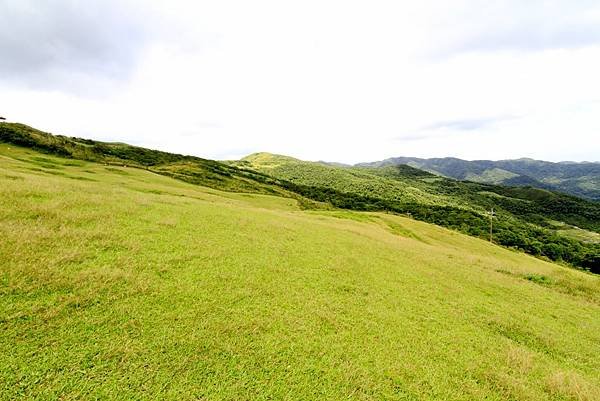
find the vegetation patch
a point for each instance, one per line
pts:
(343, 214)
(12, 177)
(81, 178)
(398, 229)
(539, 279)
(524, 337)
(572, 386)
(116, 170)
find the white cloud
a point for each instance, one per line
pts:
(345, 81)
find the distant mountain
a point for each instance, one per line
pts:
(579, 179)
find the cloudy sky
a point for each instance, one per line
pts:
(345, 81)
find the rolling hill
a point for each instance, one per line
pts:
(119, 282)
(537, 221)
(542, 223)
(579, 179)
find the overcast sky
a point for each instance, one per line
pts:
(345, 81)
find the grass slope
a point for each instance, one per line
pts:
(525, 217)
(118, 283)
(187, 168)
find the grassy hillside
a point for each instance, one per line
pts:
(119, 283)
(525, 217)
(187, 168)
(539, 222)
(579, 179)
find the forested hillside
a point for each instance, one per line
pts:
(580, 179)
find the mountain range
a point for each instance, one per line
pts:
(576, 178)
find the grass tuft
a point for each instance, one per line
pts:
(539, 279)
(571, 386)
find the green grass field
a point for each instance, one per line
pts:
(117, 283)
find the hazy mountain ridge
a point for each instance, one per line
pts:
(577, 178)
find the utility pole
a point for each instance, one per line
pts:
(491, 223)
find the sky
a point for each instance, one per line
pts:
(345, 81)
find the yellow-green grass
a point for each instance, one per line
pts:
(581, 235)
(116, 283)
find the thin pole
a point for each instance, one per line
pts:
(491, 224)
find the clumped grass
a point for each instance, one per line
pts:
(539, 279)
(395, 227)
(138, 286)
(560, 281)
(571, 386)
(520, 359)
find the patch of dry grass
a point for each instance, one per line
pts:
(572, 386)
